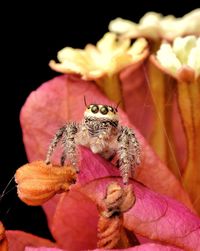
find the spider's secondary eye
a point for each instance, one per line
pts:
(111, 109)
(104, 110)
(95, 109)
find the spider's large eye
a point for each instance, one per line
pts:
(104, 110)
(94, 109)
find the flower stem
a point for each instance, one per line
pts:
(111, 87)
(189, 105)
(162, 94)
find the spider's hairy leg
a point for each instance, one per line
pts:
(129, 153)
(54, 143)
(69, 145)
(63, 157)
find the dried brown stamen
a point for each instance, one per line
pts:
(111, 233)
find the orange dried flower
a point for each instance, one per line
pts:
(38, 182)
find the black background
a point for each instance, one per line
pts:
(31, 35)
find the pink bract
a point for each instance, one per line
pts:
(154, 216)
(62, 99)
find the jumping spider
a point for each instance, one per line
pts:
(101, 132)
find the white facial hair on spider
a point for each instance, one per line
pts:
(101, 132)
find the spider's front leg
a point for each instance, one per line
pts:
(67, 135)
(54, 143)
(69, 145)
(129, 153)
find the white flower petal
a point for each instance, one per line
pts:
(194, 58)
(120, 25)
(183, 46)
(167, 58)
(156, 26)
(109, 56)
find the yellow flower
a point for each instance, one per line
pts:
(181, 60)
(109, 56)
(155, 26)
(182, 55)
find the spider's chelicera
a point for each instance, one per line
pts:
(101, 132)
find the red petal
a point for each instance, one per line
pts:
(18, 240)
(75, 222)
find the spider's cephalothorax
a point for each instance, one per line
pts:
(100, 131)
(99, 119)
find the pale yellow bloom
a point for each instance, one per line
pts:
(109, 56)
(155, 26)
(184, 52)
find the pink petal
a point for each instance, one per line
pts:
(154, 216)
(99, 168)
(75, 222)
(145, 247)
(18, 240)
(60, 100)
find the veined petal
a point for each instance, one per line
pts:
(155, 216)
